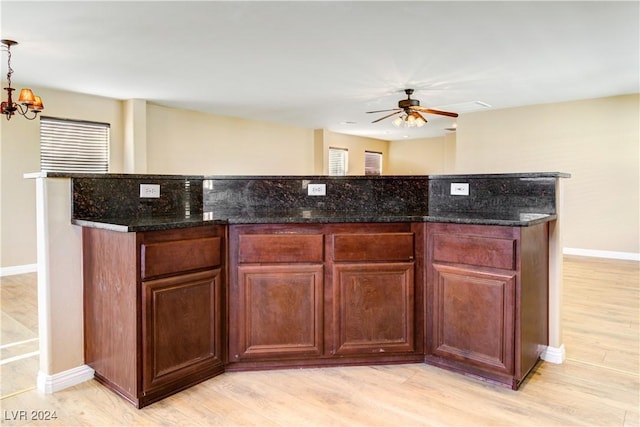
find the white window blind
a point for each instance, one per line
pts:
(372, 163)
(73, 146)
(338, 161)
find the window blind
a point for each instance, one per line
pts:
(372, 163)
(338, 161)
(73, 146)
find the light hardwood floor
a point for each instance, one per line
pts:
(598, 385)
(19, 356)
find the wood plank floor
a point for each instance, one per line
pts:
(598, 385)
(19, 355)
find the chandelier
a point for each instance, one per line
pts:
(28, 105)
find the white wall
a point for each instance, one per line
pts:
(187, 142)
(424, 156)
(596, 140)
(20, 154)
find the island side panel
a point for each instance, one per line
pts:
(110, 315)
(533, 308)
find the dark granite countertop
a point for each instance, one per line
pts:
(44, 174)
(240, 177)
(151, 223)
(293, 216)
(513, 219)
(523, 175)
(309, 216)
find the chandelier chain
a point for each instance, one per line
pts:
(9, 69)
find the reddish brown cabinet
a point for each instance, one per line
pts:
(181, 327)
(276, 304)
(311, 294)
(487, 299)
(163, 311)
(153, 309)
(373, 292)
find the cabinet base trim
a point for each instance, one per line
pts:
(555, 355)
(321, 363)
(630, 256)
(65, 379)
(18, 269)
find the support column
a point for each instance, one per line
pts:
(60, 315)
(555, 352)
(135, 136)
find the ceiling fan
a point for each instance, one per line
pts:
(411, 109)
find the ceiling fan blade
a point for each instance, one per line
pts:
(388, 115)
(421, 116)
(431, 111)
(382, 111)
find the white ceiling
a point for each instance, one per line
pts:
(321, 64)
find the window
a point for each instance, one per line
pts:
(73, 146)
(338, 161)
(372, 163)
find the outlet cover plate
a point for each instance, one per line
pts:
(150, 191)
(317, 189)
(459, 189)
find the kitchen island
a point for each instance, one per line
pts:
(379, 270)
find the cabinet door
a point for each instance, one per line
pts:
(181, 328)
(373, 308)
(280, 312)
(473, 318)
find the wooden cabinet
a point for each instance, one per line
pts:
(181, 327)
(309, 294)
(153, 309)
(373, 292)
(283, 311)
(276, 293)
(487, 299)
(163, 312)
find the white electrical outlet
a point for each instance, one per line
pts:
(150, 191)
(459, 189)
(317, 189)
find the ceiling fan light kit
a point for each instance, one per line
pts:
(411, 110)
(28, 105)
(410, 120)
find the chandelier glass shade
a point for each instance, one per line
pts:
(28, 105)
(409, 120)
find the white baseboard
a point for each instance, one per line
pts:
(18, 269)
(555, 355)
(56, 382)
(630, 256)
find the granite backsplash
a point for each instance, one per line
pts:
(119, 197)
(494, 194)
(375, 195)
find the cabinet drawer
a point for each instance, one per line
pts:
(175, 256)
(373, 247)
(475, 250)
(255, 248)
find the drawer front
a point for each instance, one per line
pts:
(175, 256)
(373, 247)
(475, 250)
(255, 248)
